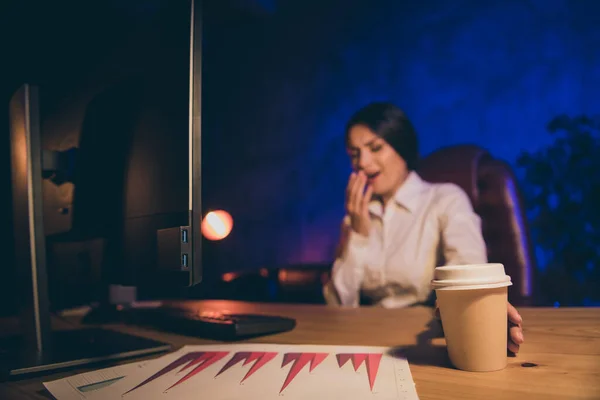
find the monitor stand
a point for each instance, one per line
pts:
(39, 348)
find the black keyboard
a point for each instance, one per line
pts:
(209, 324)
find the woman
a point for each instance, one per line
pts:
(398, 228)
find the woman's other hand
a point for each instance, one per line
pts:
(357, 203)
(515, 330)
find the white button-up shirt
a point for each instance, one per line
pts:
(425, 225)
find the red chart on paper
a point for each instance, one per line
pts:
(196, 362)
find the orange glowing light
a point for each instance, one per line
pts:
(216, 225)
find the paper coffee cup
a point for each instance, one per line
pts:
(473, 308)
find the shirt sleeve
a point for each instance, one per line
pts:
(349, 265)
(462, 238)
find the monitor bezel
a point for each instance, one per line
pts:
(195, 146)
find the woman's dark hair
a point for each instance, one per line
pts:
(391, 124)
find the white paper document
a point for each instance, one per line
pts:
(250, 371)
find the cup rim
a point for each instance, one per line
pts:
(489, 282)
(473, 286)
(464, 266)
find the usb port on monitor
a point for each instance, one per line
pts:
(184, 235)
(184, 260)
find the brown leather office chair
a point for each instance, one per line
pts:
(494, 193)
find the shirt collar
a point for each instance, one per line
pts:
(407, 195)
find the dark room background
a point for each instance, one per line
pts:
(281, 78)
(492, 73)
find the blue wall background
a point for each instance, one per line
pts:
(279, 87)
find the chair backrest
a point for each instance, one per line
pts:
(491, 185)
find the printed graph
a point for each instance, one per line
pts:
(250, 371)
(196, 362)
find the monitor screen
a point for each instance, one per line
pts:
(121, 152)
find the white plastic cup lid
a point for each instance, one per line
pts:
(472, 276)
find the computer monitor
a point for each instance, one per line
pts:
(39, 349)
(133, 167)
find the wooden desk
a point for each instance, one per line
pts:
(559, 360)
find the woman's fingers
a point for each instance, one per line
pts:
(515, 330)
(516, 334)
(366, 199)
(513, 347)
(354, 200)
(350, 193)
(359, 189)
(513, 315)
(357, 199)
(349, 187)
